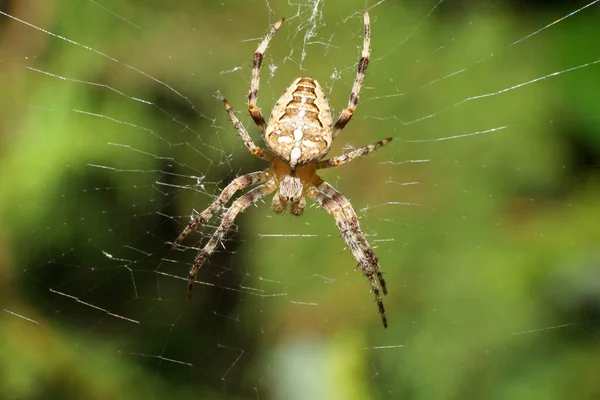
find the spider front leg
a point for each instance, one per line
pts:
(347, 222)
(347, 113)
(248, 142)
(255, 112)
(237, 207)
(352, 155)
(239, 183)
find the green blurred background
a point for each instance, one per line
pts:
(483, 210)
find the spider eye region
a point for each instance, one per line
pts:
(299, 130)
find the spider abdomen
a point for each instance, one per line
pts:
(299, 130)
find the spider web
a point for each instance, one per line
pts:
(481, 210)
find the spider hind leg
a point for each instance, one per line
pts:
(238, 206)
(346, 219)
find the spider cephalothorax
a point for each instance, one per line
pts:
(298, 135)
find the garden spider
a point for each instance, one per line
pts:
(298, 135)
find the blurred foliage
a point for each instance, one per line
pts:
(491, 258)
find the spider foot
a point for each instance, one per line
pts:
(192, 226)
(190, 287)
(381, 309)
(198, 262)
(183, 235)
(384, 321)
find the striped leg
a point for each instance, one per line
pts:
(351, 216)
(248, 142)
(237, 207)
(352, 155)
(255, 82)
(239, 183)
(347, 222)
(347, 113)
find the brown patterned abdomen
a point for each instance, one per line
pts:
(299, 130)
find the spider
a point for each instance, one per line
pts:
(298, 135)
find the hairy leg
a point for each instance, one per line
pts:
(239, 183)
(347, 113)
(255, 112)
(347, 222)
(350, 214)
(352, 155)
(237, 207)
(248, 142)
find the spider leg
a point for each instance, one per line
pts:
(248, 142)
(347, 113)
(255, 112)
(347, 222)
(351, 155)
(238, 206)
(239, 183)
(345, 205)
